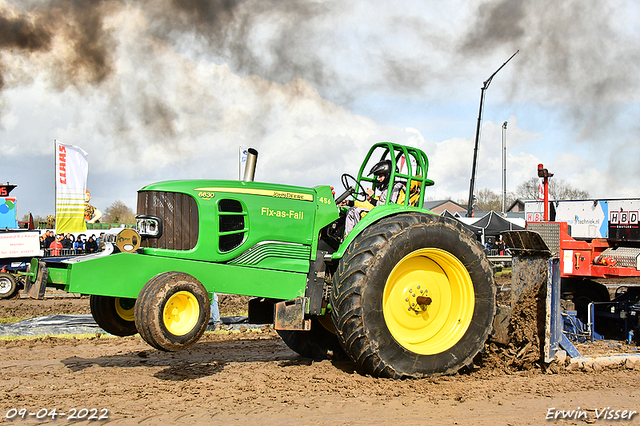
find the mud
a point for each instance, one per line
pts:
(251, 376)
(61, 303)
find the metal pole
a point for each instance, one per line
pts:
(485, 86)
(55, 182)
(546, 198)
(475, 153)
(504, 168)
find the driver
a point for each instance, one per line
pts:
(358, 209)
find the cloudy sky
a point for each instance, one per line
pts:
(169, 89)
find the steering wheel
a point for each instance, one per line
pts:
(357, 192)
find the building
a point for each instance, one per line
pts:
(441, 205)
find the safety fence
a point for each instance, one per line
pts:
(53, 252)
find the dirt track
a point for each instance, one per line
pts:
(233, 378)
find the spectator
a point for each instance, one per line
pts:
(48, 239)
(91, 246)
(67, 242)
(215, 312)
(56, 245)
(78, 246)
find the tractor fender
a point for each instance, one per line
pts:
(373, 216)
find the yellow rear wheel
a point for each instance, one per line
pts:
(428, 301)
(413, 296)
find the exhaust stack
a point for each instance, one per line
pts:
(250, 167)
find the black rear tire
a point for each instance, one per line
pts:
(8, 285)
(115, 315)
(376, 283)
(317, 343)
(172, 311)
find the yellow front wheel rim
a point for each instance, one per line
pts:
(442, 285)
(125, 308)
(181, 313)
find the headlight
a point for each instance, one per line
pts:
(149, 226)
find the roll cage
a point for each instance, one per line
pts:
(408, 165)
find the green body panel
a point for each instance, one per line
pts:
(281, 230)
(58, 276)
(326, 213)
(124, 275)
(272, 213)
(273, 255)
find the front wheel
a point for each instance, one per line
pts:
(172, 311)
(114, 314)
(414, 296)
(8, 285)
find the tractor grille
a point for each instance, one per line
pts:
(231, 224)
(179, 215)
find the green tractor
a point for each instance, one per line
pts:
(406, 294)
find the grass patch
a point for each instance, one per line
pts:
(505, 271)
(11, 320)
(58, 336)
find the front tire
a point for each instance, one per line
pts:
(115, 315)
(172, 311)
(8, 285)
(414, 296)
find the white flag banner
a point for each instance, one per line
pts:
(242, 154)
(541, 191)
(403, 166)
(72, 168)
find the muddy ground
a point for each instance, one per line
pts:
(252, 377)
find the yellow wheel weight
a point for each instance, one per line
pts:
(125, 308)
(181, 313)
(428, 301)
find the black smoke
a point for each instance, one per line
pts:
(78, 24)
(574, 56)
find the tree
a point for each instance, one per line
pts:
(487, 200)
(558, 188)
(36, 221)
(118, 212)
(36, 218)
